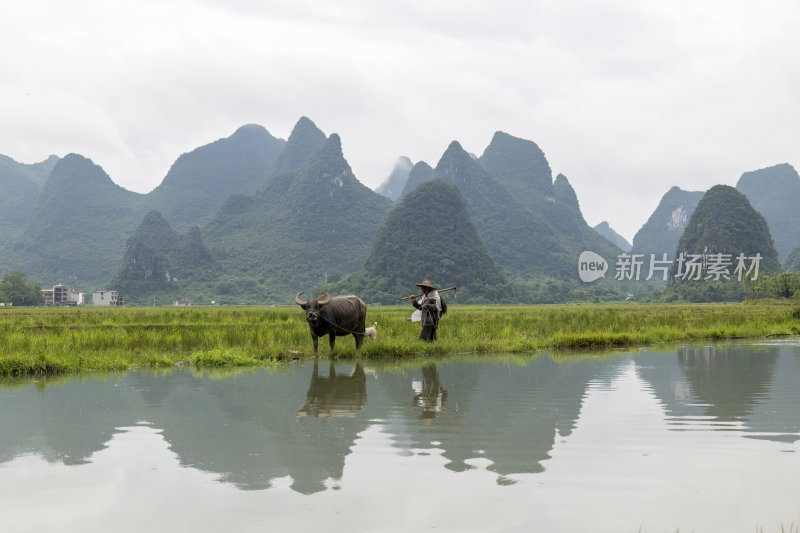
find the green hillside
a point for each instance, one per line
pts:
(522, 169)
(428, 235)
(775, 193)
(716, 255)
(306, 138)
(161, 262)
(78, 227)
(20, 185)
(531, 236)
(725, 222)
(662, 231)
(316, 223)
(518, 240)
(792, 261)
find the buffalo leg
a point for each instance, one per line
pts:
(333, 339)
(359, 340)
(316, 342)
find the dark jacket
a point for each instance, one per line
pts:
(430, 312)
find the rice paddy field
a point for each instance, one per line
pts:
(36, 341)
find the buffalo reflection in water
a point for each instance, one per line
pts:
(335, 395)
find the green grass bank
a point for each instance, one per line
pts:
(58, 340)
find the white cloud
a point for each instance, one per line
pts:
(626, 98)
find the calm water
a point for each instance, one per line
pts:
(701, 438)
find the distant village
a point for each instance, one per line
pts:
(64, 295)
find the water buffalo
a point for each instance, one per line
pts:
(334, 316)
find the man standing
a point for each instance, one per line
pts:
(431, 307)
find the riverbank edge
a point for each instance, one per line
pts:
(49, 341)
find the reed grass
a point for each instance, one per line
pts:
(37, 341)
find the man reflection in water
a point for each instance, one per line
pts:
(431, 307)
(430, 395)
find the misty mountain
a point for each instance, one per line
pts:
(520, 165)
(20, 185)
(82, 219)
(199, 181)
(392, 187)
(254, 219)
(775, 193)
(37, 173)
(662, 231)
(530, 233)
(792, 261)
(428, 235)
(615, 238)
(724, 221)
(160, 261)
(520, 241)
(419, 174)
(306, 138)
(316, 223)
(565, 216)
(78, 227)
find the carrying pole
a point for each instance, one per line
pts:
(420, 294)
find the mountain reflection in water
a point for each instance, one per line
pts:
(254, 427)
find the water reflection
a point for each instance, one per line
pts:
(335, 395)
(506, 414)
(65, 422)
(254, 429)
(729, 387)
(429, 394)
(248, 430)
(728, 381)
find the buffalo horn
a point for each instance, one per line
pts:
(299, 301)
(322, 299)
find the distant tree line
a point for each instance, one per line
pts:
(15, 289)
(785, 285)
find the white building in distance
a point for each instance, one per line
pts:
(107, 298)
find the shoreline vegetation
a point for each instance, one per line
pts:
(48, 341)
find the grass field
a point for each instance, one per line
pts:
(57, 340)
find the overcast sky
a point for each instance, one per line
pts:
(626, 98)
